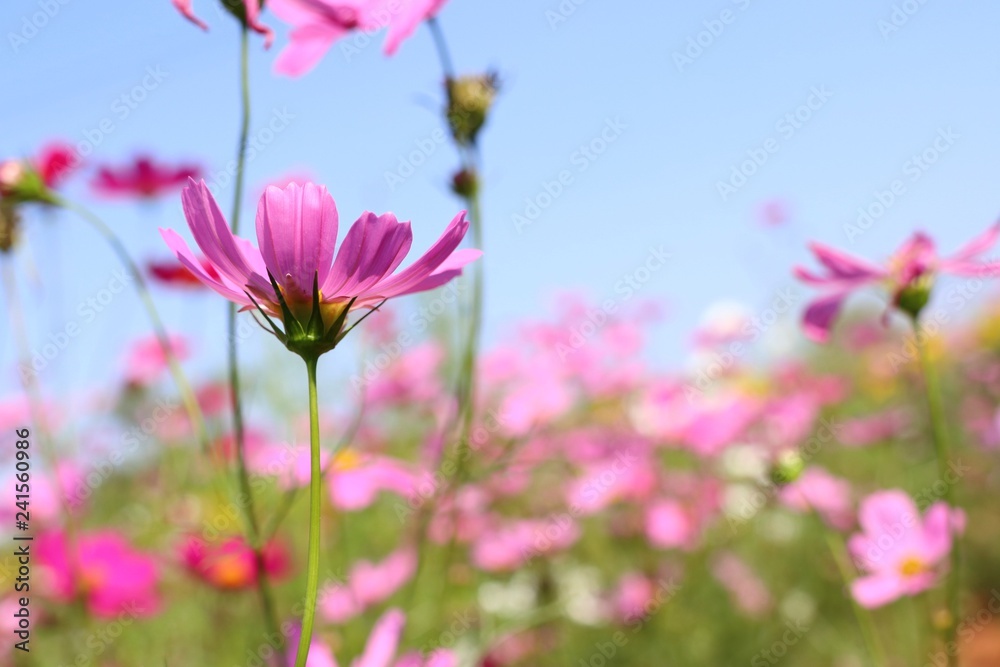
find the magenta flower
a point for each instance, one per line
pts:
(317, 24)
(251, 12)
(901, 554)
(146, 360)
(294, 277)
(102, 569)
(907, 275)
(143, 177)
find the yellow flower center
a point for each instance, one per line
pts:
(232, 571)
(346, 459)
(912, 566)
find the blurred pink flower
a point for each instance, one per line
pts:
(355, 481)
(143, 177)
(902, 554)
(175, 274)
(367, 584)
(631, 596)
(55, 162)
(146, 360)
(670, 526)
(913, 265)
(103, 569)
(252, 8)
(297, 232)
(513, 545)
(317, 24)
(231, 564)
(773, 213)
(817, 489)
(747, 590)
(875, 428)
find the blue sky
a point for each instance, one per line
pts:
(687, 91)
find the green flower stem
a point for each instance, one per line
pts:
(315, 505)
(236, 399)
(183, 386)
(864, 617)
(942, 450)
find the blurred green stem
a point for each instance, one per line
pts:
(315, 504)
(942, 450)
(183, 386)
(864, 617)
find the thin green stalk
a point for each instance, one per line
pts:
(183, 386)
(864, 617)
(315, 504)
(236, 400)
(942, 451)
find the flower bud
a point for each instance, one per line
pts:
(20, 182)
(787, 468)
(469, 102)
(912, 298)
(465, 183)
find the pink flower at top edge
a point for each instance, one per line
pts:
(252, 8)
(902, 553)
(318, 24)
(914, 265)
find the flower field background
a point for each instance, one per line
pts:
(809, 481)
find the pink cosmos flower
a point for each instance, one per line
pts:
(511, 546)
(231, 563)
(142, 178)
(381, 648)
(54, 162)
(817, 489)
(252, 8)
(670, 526)
(367, 584)
(103, 569)
(297, 232)
(902, 554)
(914, 265)
(146, 360)
(746, 589)
(317, 24)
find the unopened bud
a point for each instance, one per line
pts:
(787, 468)
(469, 102)
(912, 298)
(465, 183)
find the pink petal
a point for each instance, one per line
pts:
(308, 45)
(844, 266)
(374, 247)
(383, 640)
(297, 233)
(184, 7)
(877, 590)
(820, 315)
